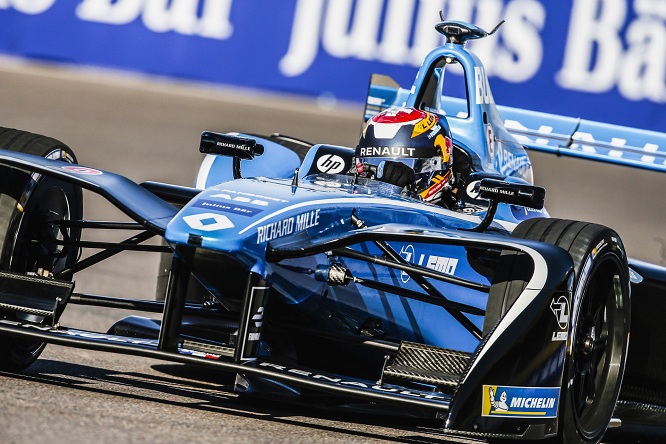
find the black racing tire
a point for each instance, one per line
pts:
(598, 323)
(29, 206)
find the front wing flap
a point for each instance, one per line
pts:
(135, 201)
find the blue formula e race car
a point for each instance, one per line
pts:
(313, 283)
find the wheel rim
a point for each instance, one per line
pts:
(35, 245)
(598, 348)
(38, 222)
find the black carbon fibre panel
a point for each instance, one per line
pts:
(642, 395)
(33, 294)
(427, 364)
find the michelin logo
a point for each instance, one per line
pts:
(520, 402)
(498, 405)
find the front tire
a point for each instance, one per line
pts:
(598, 324)
(30, 207)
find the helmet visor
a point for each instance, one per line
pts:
(420, 166)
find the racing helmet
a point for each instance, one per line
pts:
(418, 139)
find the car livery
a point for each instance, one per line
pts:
(303, 279)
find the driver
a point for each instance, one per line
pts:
(411, 149)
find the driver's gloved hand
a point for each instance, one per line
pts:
(395, 173)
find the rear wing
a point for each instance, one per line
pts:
(568, 136)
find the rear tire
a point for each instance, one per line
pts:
(598, 322)
(30, 205)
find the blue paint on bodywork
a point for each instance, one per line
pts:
(247, 214)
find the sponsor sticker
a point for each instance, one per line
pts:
(520, 402)
(241, 199)
(330, 164)
(287, 226)
(471, 192)
(490, 140)
(442, 264)
(522, 213)
(386, 151)
(560, 308)
(407, 253)
(600, 246)
(424, 125)
(438, 182)
(250, 333)
(560, 336)
(76, 169)
(244, 194)
(208, 222)
(482, 89)
(225, 207)
(200, 354)
(435, 132)
(510, 163)
(335, 380)
(246, 197)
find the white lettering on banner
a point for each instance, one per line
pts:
(643, 73)
(608, 46)
(180, 16)
(348, 29)
(343, 40)
(520, 56)
(594, 28)
(30, 7)
(595, 59)
(516, 56)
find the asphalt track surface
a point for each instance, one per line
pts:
(148, 129)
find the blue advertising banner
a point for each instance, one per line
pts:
(596, 59)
